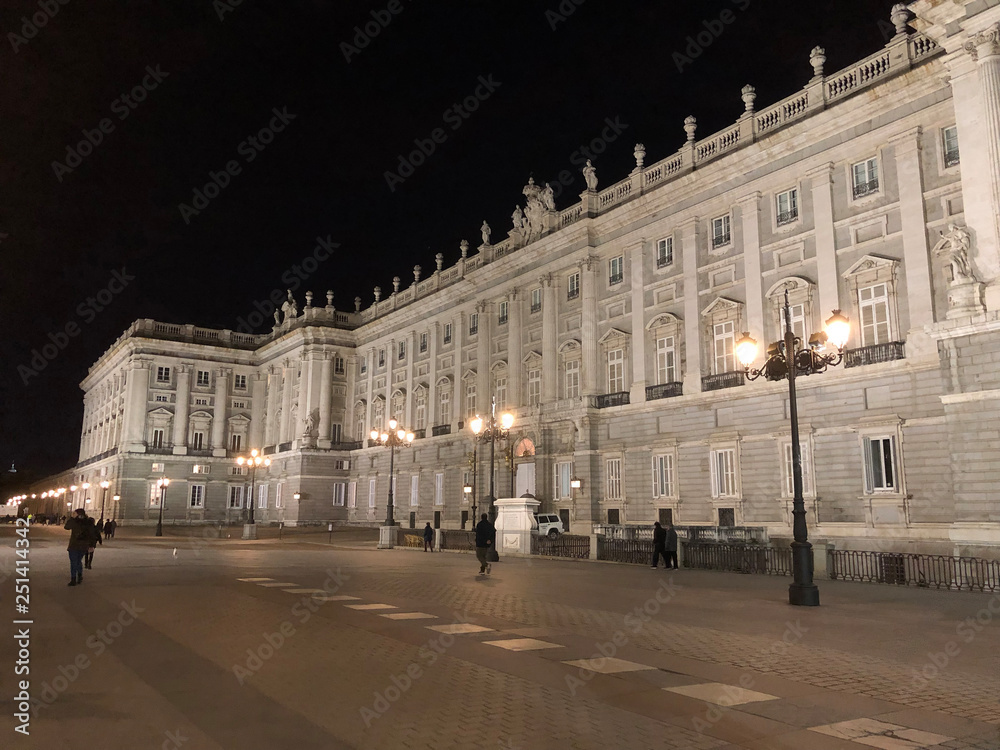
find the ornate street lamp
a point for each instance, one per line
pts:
(162, 483)
(489, 432)
(254, 460)
(114, 510)
(786, 359)
(394, 438)
(104, 495)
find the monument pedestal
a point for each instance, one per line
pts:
(965, 299)
(514, 524)
(249, 531)
(386, 537)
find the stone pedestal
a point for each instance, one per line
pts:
(386, 537)
(965, 299)
(249, 531)
(514, 524)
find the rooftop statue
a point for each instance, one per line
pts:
(590, 175)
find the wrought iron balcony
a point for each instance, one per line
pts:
(347, 446)
(722, 380)
(612, 399)
(284, 447)
(573, 293)
(720, 240)
(664, 390)
(662, 261)
(787, 217)
(951, 158)
(862, 189)
(419, 434)
(441, 429)
(872, 355)
(615, 278)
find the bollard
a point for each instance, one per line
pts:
(329, 527)
(281, 525)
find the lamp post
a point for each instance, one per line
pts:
(489, 432)
(114, 509)
(162, 483)
(394, 438)
(104, 495)
(787, 359)
(254, 460)
(467, 489)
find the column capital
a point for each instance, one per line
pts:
(692, 223)
(821, 174)
(512, 294)
(545, 280)
(907, 140)
(185, 368)
(984, 44)
(752, 199)
(589, 263)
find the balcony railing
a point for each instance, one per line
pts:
(721, 240)
(664, 390)
(419, 434)
(573, 293)
(536, 308)
(612, 399)
(662, 261)
(352, 445)
(787, 217)
(872, 355)
(722, 380)
(951, 158)
(615, 278)
(441, 429)
(284, 447)
(862, 189)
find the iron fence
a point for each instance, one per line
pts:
(635, 551)
(913, 569)
(741, 558)
(874, 354)
(457, 539)
(722, 534)
(564, 545)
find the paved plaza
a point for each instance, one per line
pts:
(302, 643)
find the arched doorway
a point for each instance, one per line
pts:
(524, 462)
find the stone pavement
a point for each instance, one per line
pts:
(304, 645)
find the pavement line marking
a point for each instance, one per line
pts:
(370, 606)
(459, 628)
(277, 585)
(338, 598)
(721, 694)
(305, 591)
(607, 665)
(254, 580)
(523, 644)
(409, 616)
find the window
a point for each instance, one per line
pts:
(381, 357)
(786, 452)
(157, 438)
(339, 493)
(378, 414)
(154, 495)
(725, 339)
(162, 374)
(573, 286)
(359, 422)
(614, 472)
(504, 309)
(573, 378)
(787, 204)
(204, 379)
(563, 475)
(402, 350)
(880, 464)
(278, 493)
(664, 252)
(236, 443)
(336, 433)
(415, 490)
(615, 270)
(364, 364)
(721, 232)
(420, 408)
(338, 365)
(423, 343)
(447, 333)
(201, 402)
(445, 408)
(439, 489)
(162, 399)
(666, 370)
(197, 496)
(470, 398)
(536, 300)
(238, 471)
(473, 324)
(371, 492)
(352, 495)
(663, 475)
(201, 469)
(235, 496)
(723, 466)
(341, 465)
(262, 496)
(240, 382)
(797, 316)
(873, 302)
(949, 136)
(865, 177)
(501, 392)
(616, 371)
(534, 387)
(239, 404)
(157, 468)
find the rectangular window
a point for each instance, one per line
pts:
(950, 138)
(616, 371)
(723, 465)
(162, 374)
(504, 309)
(238, 471)
(573, 378)
(201, 469)
(157, 468)
(336, 432)
(341, 465)
(235, 496)
(240, 382)
(663, 475)
(473, 324)
(236, 443)
(563, 475)
(201, 402)
(371, 492)
(501, 391)
(880, 464)
(204, 378)
(161, 399)
(154, 495)
(445, 408)
(573, 286)
(616, 270)
(339, 493)
(197, 496)
(423, 343)
(262, 496)
(725, 339)
(787, 206)
(352, 495)
(415, 490)
(797, 316)
(536, 300)
(439, 489)
(614, 470)
(806, 469)
(278, 493)
(470, 398)
(364, 364)
(664, 252)
(420, 408)
(721, 231)
(873, 302)
(402, 350)
(534, 387)
(239, 404)
(447, 333)
(666, 369)
(157, 438)
(864, 176)
(381, 357)
(338, 365)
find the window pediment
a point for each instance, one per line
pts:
(872, 264)
(722, 307)
(664, 320)
(614, 336)
(532, 358)
(792, 283)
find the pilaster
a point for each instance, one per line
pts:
(550, 322)
(637, 259)
(826, 246)
(182, 409)
(692, 315)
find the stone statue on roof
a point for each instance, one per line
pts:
(590, 175)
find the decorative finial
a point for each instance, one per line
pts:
(640, 154)
(395, 284)
(816, 58)
(690, 126)
(749, 94)
(439, 259)
(464, 247)
(416, 274)
(329, 298)
(378, 293)
(309, 299)
(899, 16)
(357, 304)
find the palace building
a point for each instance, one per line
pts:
(608, 328)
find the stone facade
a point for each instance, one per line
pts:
(608, 328)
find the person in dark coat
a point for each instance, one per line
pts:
(93, 539)
(671, 546)
(100, 527)
(428, 537)
(486, 537)
(79, 543)
(659, 545)
(109, 528)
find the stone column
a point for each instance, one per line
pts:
(692, 312)
(350, 397)
(750, 213)
(458, 336)
(370, 394)
(221, 409)
(588, 291)
(325, 397)
(483, 393)
(284, 429)
(411, 355)
(391, 359)
(137, 396)
(550, 336)
(826, 247)
(258, 394)
(273, 400)
(637, 261)
(515, 345)
(182, 409)
(432, 377)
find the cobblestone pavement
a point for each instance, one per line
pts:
(237, 646)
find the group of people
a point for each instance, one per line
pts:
(665, 545)
(85, 535)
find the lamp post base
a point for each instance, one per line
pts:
(386, 537)
(802, 591)
(159, 530)
(249, 531)
(803, 595)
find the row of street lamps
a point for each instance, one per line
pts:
(59, 492)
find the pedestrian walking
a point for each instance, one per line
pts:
(671, 546)
(93, 539)
(486, 537)
(109, 529)
(100, 527)
(79, 542)
(659, 545)
(428, 537)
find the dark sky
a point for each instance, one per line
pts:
(68, 230)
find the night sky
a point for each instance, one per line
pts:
(77, 219)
